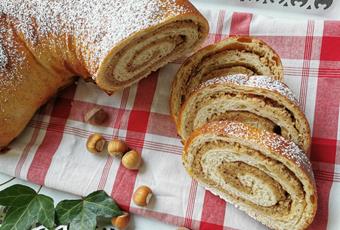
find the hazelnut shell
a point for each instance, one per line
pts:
(142, 196)
(131, 160)
(117, 147)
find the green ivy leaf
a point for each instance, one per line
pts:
(82, 214)
(16, 196)
(26, 208)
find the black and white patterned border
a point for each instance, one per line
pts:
(301, 4)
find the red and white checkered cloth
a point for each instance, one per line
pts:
(52, 151)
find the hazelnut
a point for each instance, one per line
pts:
(95, 143)
(131, 160)
(142, 196)
(121, 222)
(95, 116)
(117, 147)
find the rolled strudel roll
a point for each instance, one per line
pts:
(45, 44)
(258, 101)
(261, 173)
(234, 55)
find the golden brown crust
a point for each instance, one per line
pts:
(269, 140)
(43, 45)
(281, 149)
(191, 16)
(181, 84)
(273, 91)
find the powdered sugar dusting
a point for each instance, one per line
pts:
(274, 85)
(11, 59)
(286, 148)
(234, 128)
(99, 25)
(262, 82)
(273, 141)
(3, 58)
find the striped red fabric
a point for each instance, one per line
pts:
(51, 151)
(137, 127)
(117, 122)
(44, 154)
(240, 24)
(191, 204)
(213, 212)
(306, 64)
(325, 125)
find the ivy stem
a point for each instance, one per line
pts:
(7, 181)
(39, 189)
